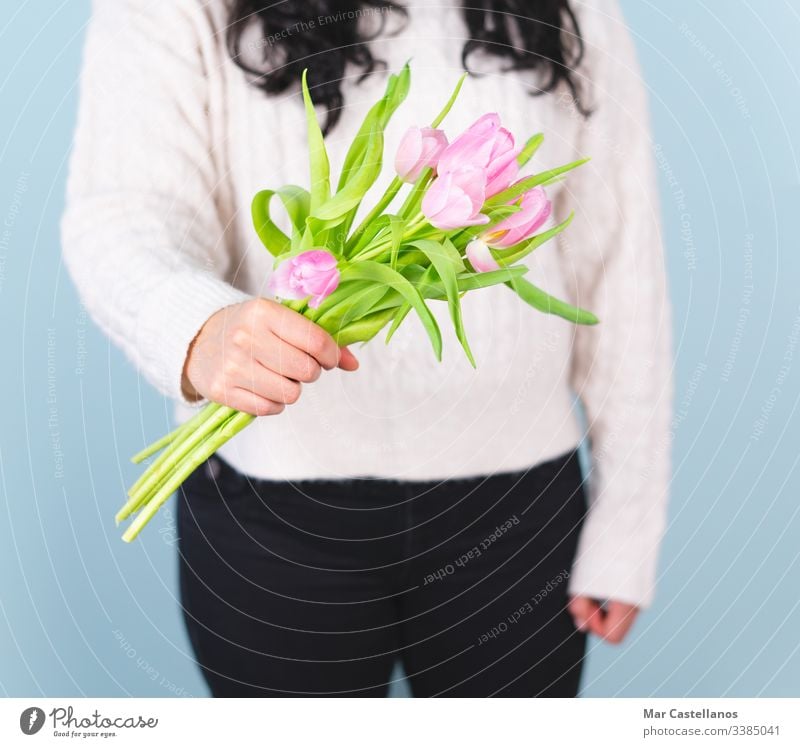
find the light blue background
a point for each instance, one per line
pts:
(83, 614)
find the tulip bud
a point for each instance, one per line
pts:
(312, 273)
(454, 200)
(534, 210)
(484, 145)
(480, 257)
(419, 148)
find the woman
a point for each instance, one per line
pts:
(388, 507)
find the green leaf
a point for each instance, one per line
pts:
(440, 251)
(418, 277)
(352, 308)
(398, 96)
(413, 200)
(371, 233)
(397, 226)
(449, 105)
(496, 215)
(540, 300)
(308, 241)
(429, 286)
(335, 241)
(365, 165)
(344, 290)
(402, 313)
(474, 280)
(409, 256)
(517, 252)
(350, 196)
(355, 154)
(524, 185)
(296, 202)
(530, 148)
(365, 328)
(396, 91)
(447, 261)
(275, 240)
(499, 213)
(423, 281)
(317, 154)
(413, 272)
(385, 275)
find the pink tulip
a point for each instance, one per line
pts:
(454, 199)
(312, 273)
(535, 210)
(419, 148)
(484, 145)
(480, 257)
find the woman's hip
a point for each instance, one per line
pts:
(400, 527)
(319, 586)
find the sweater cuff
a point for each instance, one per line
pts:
(170, 320)
(606, 568)
(630, 581)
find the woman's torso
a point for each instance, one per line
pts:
(403, 414)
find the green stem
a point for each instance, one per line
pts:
(146, 497)
(414, 225)
(157, 445)
(449, 105)
(185, 431)
(364, 241)
(156, 473)
(365, 328)
(391, 191)
(415, 195)
(371, 251)
(236, 423)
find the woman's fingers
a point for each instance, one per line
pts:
(285, 359)
(587, 615)
(617, 621)
(266, 383)
(611, 623)
(241, 372)
(263, 348)
(250, 402)
(303, 334)
(347, 361)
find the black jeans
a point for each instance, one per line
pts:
(319, 587)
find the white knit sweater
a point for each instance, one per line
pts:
(172, 143)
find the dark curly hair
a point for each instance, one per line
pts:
(326, 35)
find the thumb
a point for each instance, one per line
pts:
(347, 361)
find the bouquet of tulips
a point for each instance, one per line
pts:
(467, 220)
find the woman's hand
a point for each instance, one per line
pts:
(253, 357)
(611, 623)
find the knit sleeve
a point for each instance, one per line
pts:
(622, 367)
(142, 233)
